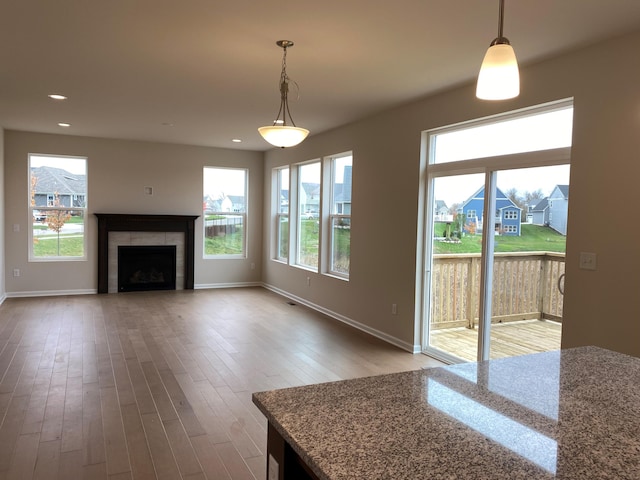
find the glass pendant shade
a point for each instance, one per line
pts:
(499, 78)
(283, 136)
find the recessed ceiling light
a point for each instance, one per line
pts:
(167, 124)
(236, 140)
(64, 124)
(57, 96)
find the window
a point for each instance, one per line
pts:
(57, 207)
(311, 215)
(471, 214)
(340, 214)
(510, 215)
(282, 213)
(308, 232)
(225, 212)
(542, 130)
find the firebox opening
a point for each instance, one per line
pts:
(146, 267)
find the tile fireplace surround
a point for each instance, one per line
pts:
(139, 229)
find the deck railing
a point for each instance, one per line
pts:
(525, 286)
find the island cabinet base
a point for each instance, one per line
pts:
(288, 464)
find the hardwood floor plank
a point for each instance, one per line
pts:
(139, 455)
(24, 457)
(114, 437)
(155, 385)
(212, 464)
(72, 417)
(93, 444)
(47, 461)
(181, 446)
(163, 459)
(70, 465)
(10, 429)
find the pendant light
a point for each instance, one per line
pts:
(282, 133)
(499, 78)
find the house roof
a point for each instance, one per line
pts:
(541, 205)
(563, 189)
(204, 73)
(51, 180)
(502, 201)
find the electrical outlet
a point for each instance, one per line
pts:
(308, 281)
(16, 227)
(394, 308)
(253, 266)
(16, 272)
(587, 261)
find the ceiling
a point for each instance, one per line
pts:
(203, 72)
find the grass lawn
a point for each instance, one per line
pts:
(534, 238)
(65, 246)
(230, 244)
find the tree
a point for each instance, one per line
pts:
(57, 218)
(533, 198)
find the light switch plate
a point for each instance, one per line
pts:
(587, 261)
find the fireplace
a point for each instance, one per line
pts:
(132, 225)
(146, 267)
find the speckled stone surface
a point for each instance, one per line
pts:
(570, 414)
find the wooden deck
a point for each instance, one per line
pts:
(507, 339)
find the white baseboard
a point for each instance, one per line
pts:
(3, 297)
(51, 293)
(360, 326)
(204, 286)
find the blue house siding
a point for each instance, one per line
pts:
(558, 208)
(508, 215)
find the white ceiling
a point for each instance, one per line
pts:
(203, 72)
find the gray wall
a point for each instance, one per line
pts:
(601, 307)
(117, 172)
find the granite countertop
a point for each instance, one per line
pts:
(570, 414)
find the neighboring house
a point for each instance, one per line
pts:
(342, 194)
(310, 198)
(284, 201)
(559, 208)
(237, 203)
(70, 189)
(508, 214)
(552, 211)
(540, 212)
(218, 205)
(441, 212)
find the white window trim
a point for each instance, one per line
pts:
(31, 208)
(245, 236)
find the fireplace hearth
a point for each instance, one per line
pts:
(146, 267)
(109, 223)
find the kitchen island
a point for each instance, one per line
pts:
(569, 414)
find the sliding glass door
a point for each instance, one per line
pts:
(495, 235)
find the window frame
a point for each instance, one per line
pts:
(51, 207)
(299, 216)
(335, 218)
(280, 215)
(242, 214)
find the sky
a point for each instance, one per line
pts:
(230, 181)
(77, 166)
(459, 188)
(541, 131)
